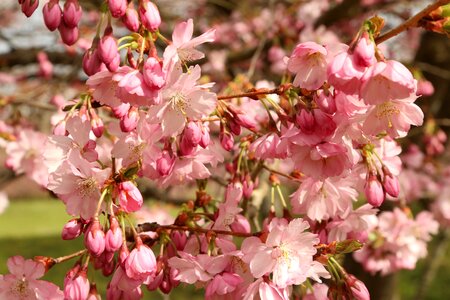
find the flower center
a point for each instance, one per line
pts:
(282, 255)
(86, 186)
(21, 290)
(178, 102)
(386, 110)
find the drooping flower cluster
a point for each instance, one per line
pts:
(149, 116)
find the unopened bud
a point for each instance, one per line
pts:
(130, 197)
(29, 6)
(72, 13)
(52, 14)
(149, 14)
(113, 238)
(96, 123)
(130, 120)
(226, 140)
(107, 47)
(91, 62)
(164, 164)
(131, 19)
(390, 183)
(94, 238)
(374, 191)
(72, 229)
(117, 7)
(69, 35)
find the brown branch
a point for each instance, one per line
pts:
(281, 173)
(155, 227)
(411, 22)
(254, 94)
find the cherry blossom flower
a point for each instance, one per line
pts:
(23, 283)
(183, 45)
(287, 254)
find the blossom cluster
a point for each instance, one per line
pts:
(328, 133)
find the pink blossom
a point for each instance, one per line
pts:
(149, 14)
(387, 81)
(130, 197)
(183, 45)
(344, 73)
(141, 263)
(69, 35)
(72, 229)
(23, 283)
(52, 14)
(394, 117)
(117, 7)
(25, 155)
(308, 62)
(76, 284)
(364, 51)
(323, 199)
(182, 98)
(72, 13)
(266, 290)
(78, 183)
(287, 254)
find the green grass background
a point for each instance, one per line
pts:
(32, 227)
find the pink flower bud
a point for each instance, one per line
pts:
(390, 183)
(88, 152)
(91, 62)
(76, 284)
(69, 35)
(121, 110)
(107, 47)
(240, 224)
(113, 238)
(72, 13)
(192, 134)
(93, 293)
(117, 7)
(96, 123)
(131, 19)
(130, 197)
(305, 120)
(206, 139)
(123, 254)
(164, 164)
(149, 14)
(153, 73)
(226, 140)
(425, 88)
(365, 51)
(72, 229)
(374, 191)
(326, 103)
(186, 148)
(29, 6)
(234, 127)
(94, 238)
(358, 288)
(247, 187)
(114, 64)
(52, 14)
(141, 263)
(130, 120)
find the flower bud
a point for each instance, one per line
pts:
(76, 284)
(96, 123)
(69, 35)
(117, 7)
(52, 14)
(130, 197)
(72, 229)
(94, 238)
(153, 73)
(358, 288)
(206, 139)
(123, 254)
(72, 13)
(121, 110)
(226, 140)
(186, 148)
(149, 14)
(29, 6)
(141, 262)
(131, 19)
(93, 293)
(113, 238)
(114, 64)
(365, 51)
(164, 164)
(247, 187)
(91, 62)
(390, 183)
(374, 191)
(107, 47)
(130, 120)
(240, 224)
(305, 120)
(88, 152)
(192, 134)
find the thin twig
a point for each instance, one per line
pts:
(411, 22)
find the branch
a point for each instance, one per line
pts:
(254, 94)
(412, 22)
